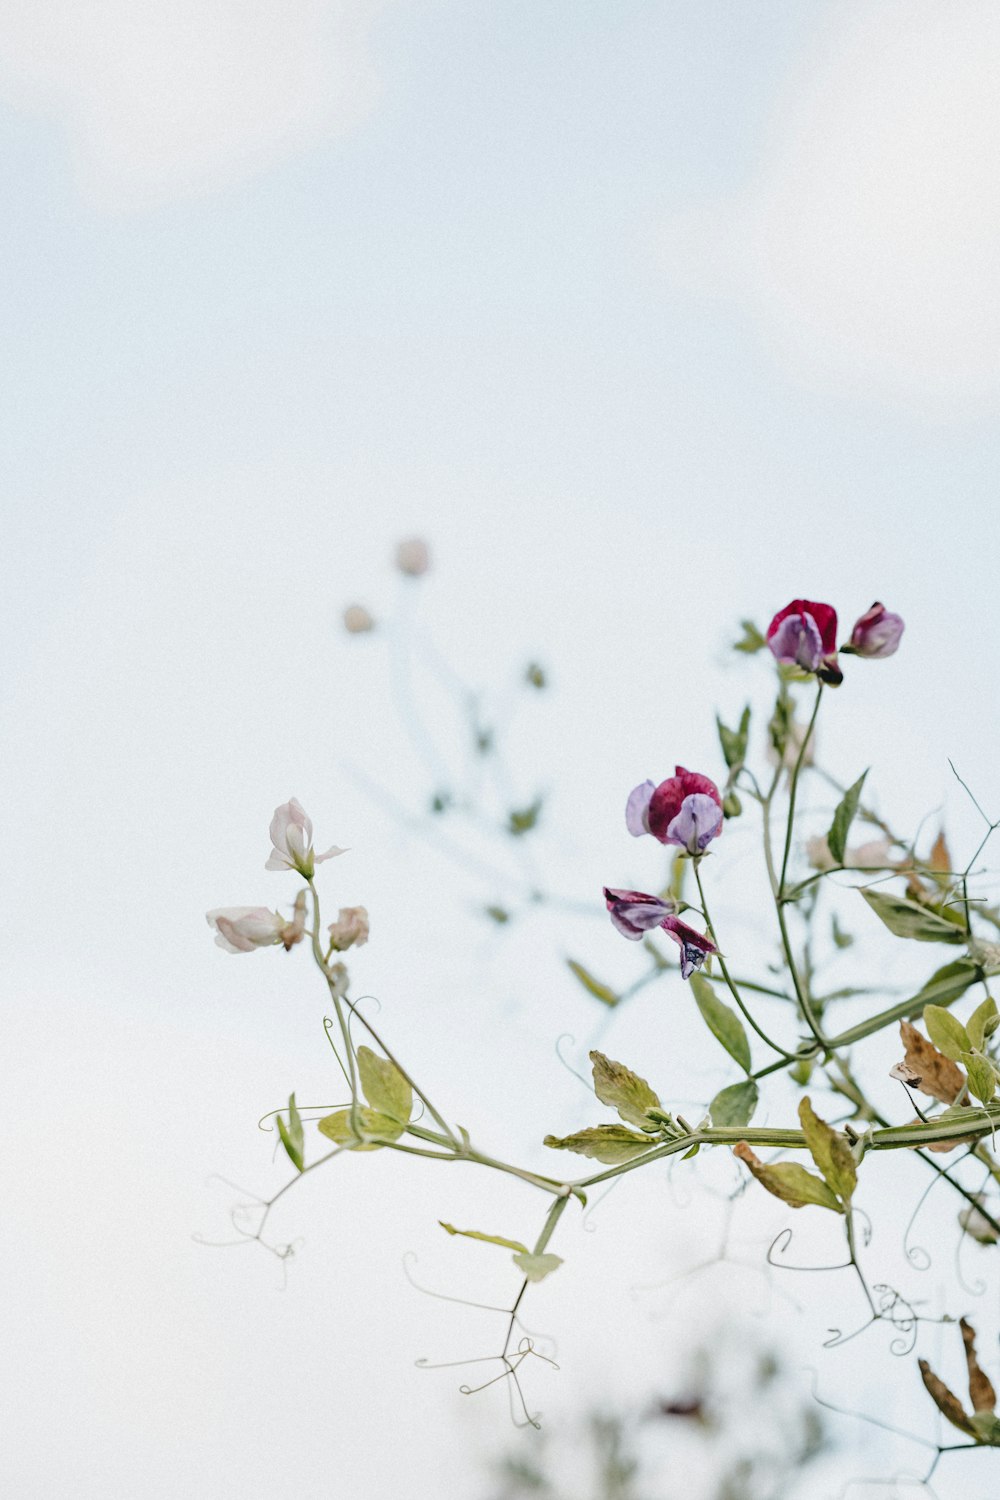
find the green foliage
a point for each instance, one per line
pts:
(789, 1181)
(982, 1075)
(734, 741)
(602, 992)
(490, 1239)
(830, 1151)
(537, 1267)
(946, 1032)
(723, 1022)
(983, 1022)
(623, 1090)
(610, 1144)
(521, 820)
(293, 1136)
(843, 818)
(909, 919)
(369, 1131)
(385, 1088)
(751, 640)
(735, 1105)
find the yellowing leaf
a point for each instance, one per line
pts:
(830, 1151)
(788, 1181)
(385, 1087)
(610, 1144)
(372, 1129)
(623, 1090)
(602, 992)
(537, 1267)
(491, 1239)
(908, 919)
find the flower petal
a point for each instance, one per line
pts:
(637, 808)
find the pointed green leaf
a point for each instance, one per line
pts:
(843, 818)
(982, 1078)
(292, 1135)
(734, 741)
(724, 1024)
(537, 1267)
(491, 1239)
(983, 1022)
(830, 1151)
(841, 938)
(521, 820)
(788, 1181)
(908, 919)
(734, 1105)
(946, 1032)
(610, 1144)
(602, 992)
(947, 984)
(385, 1087)
(624, 1090)
(373, 1129)
(751, 640)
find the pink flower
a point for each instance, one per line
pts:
(804, 634)
(686, 810)
(241, 929)
(291, 837)
(358, 620)
(877, 633)
(635, 912)
(350, 928)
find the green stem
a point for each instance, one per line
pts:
(775, 1046)
(793, 787)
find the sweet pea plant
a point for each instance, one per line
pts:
(948, 1075)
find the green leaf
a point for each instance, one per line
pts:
(946, 1032)
(521, 820)
(734, 1105)
(624, 1090)
(734, 741)
(982, 1078)
(491, 1239)
(780, 725)
(724, 1024)
(374, 1129)
(843, 818)
(987, 1427)
(537, 1267)
(841, 938)
(751, 640)
(385, 1087)
(788, 1181)
(602, 992)
(983, 1022)
(947, 984)
(908, 919)
(610, 1144)
(293, 1136)
(830, 1151)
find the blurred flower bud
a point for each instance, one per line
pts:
(291, 838)
(350, 928)
(804, 634)
(796, 733)
(731, 805)
(241, 929)
(339, 979)
(874, 855)
(294, 931)
(686, 810)
(357, 620)
(876, 633)
(534, 675)
(412, 557)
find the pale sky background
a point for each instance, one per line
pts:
(648, 317)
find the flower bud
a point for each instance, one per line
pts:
(876, 633)
(412, 557)
(241, 929)
(339, 980)
(350, 928)
(358, 620)
(635, 912)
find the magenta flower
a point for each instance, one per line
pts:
(877, 633)
(686, 809)
(635, 912)
(804, 634)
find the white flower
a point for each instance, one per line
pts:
(412, 557)
(241, 929)
(339, 980)
(291, 837)
(350, 927)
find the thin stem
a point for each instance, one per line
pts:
(793, 788)
(775, 1046)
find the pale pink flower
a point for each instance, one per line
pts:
(241, 929)
(358, 620)
(291, 837)
(350, 928)
(339, 980)
(413, 557)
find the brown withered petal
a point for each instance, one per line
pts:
(905, 1074)
(939, 1076)
(945, 1400)
(984, 1397)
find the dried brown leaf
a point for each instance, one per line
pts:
(939, 1076)
(945, 1400)
(984, 1397)
(939, 860)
